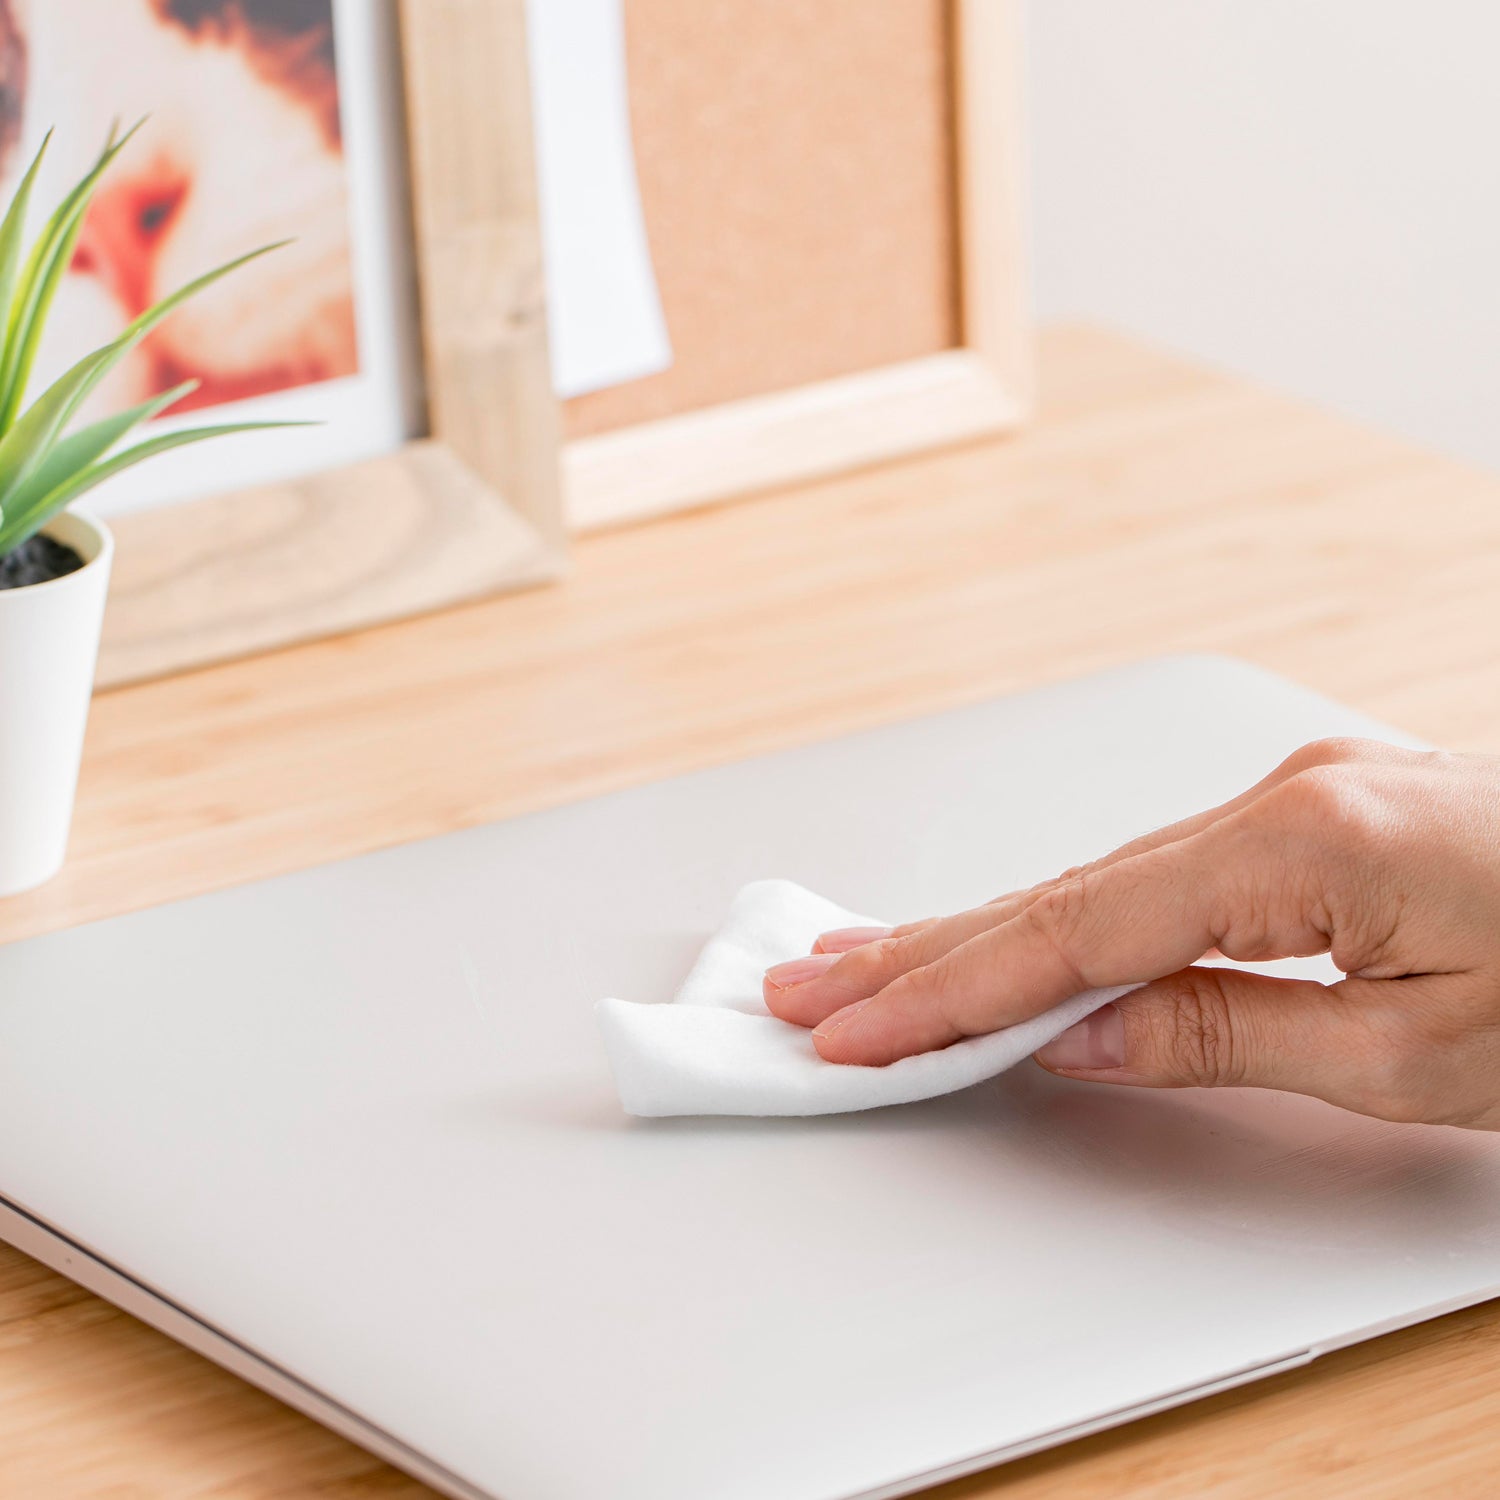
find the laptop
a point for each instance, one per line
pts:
(351, 1133)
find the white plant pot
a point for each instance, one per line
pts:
(49, 639)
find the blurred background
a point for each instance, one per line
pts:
(1305, 193)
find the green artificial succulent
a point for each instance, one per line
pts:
(43, 467)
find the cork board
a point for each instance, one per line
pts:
(796, 165)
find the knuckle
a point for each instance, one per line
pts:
(919, 981)
(1320, 792)
(1336, 805)
(871, 964)
(910, 929)
(1334, 750)
(1057, 920)
(954, 988)
(918, 991)
(1325, 854)
(1019, 900)
(1198, 1042)
(1065, 906)
(909, 950)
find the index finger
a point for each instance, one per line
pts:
(1127, 923)
(872, 960)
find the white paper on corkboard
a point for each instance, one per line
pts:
(604, 310)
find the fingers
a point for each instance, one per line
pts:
(1366, 1045)
(1146, 916)
(809, 996)
(843, 974)
(842, 939)
(1255, 884)
(1247, 878)
(876, 957)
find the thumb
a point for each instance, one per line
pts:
(1224, 1028)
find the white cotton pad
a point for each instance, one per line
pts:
(717, 1050)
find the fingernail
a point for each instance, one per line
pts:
(837, 1019)
(799, 970)
(842, 939)
(1098, 1041)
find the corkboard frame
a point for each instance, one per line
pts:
(980, 387)
(470, 510)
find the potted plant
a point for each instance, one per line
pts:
(54, 563)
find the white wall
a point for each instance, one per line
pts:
(1307, 191)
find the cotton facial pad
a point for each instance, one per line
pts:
(717, 1050)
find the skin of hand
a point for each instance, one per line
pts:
(1386, 859)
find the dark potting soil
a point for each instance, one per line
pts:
(39, 560)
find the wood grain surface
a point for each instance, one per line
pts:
(726, 452)
(1154, 507)
(399, 535)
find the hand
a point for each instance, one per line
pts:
(1387, 859)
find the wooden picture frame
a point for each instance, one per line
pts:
(471, 509)
(980, 387)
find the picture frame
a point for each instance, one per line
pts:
(472, 508)
(981, 386)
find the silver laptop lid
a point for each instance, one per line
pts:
(357, 1120)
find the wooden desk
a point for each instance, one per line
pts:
(1155, 507)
